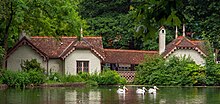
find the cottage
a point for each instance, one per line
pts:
(69, 55)
(181, 46)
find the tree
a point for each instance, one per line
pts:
(7, 14)
(152, 14)
(34, 17)
(112, 20)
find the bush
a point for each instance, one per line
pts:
(84, 76)
(31, 73)
(177, 71)
(22, 79)
(36, 77)
(31, 65)
(91, 83)
(15, 79)
(56, 77)
(110, 77)
(72, 78)
(9, 78)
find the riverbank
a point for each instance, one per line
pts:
(77, 84)
(3, 86)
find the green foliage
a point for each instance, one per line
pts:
(176, 71)
(212, 69)
(91, 83)
(203, 18)
(56, 77)
(9, 78)
(109, 77)
(36, 77)
(73, 78)
(112, 20)
(85, 76)
(31, 65)
(22, 79)
(152, 14)
(39, 18)
(2, 51)
(31, 73)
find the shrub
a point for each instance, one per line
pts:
(21, 79)
(56, 77)
(35, 71)
(9, 78)
(72, 78)
(109, 77)
(177, 71)
(36, 77)
(15, 79)
(31, 65)
(91, 83)
(85, 76)
(31, 73)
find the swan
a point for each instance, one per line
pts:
(121, 91)
(141, 91)
(153, 90)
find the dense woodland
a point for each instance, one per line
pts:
(123, 24)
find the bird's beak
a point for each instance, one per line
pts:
(126, 89)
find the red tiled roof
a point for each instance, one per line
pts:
(63, 46)
(183, 43)
(26, 41)
(50, 47)
(126, 56)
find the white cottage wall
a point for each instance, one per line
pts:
(55, 65)
(82, 55)
(21, 54)
(194, 55)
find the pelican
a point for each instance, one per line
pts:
(121, 91)
(153, 90)
(141, 91)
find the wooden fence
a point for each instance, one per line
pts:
(129, 75)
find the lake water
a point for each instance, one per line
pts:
(108, 95)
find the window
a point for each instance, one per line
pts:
(82, 66)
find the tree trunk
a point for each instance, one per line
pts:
(5, 46)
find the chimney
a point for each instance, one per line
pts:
(22, 34)
(184, 34)
(176, 36)
(162, 40)
(81, 32)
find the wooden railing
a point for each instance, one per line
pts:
(129, 75)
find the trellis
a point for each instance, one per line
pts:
(129, 75)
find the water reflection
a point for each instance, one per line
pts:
(91, 97)
(108, 95)
(141, 96)
(152, 96)
(121, 96)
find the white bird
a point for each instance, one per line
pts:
(141, 91)
(121, 91)
(153, 90)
